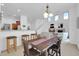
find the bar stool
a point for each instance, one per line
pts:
(9, 45)
(33, 36)
(25, 37)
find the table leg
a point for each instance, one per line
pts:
(46, 53)
(42, 53)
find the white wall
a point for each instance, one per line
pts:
(70, 25)
(78, 24)
(44, 24)
(73, 25)
(73, 30)
(32, 24)
(7, 20)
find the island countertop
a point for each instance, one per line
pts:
(17, 33)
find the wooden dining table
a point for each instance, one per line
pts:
(44, 43)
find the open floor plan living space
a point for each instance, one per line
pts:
(39, 29)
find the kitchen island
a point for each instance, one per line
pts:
(17, 33)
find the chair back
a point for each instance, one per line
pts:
(33, 36)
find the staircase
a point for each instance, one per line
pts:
(42, 26)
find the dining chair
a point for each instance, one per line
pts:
(27, 51)
(55, 49)
(25, 37)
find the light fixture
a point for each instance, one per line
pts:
(1, 4)
(47, 13)
(18, 10)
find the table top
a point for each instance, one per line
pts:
(44, 44)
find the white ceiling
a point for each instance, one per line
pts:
(33, 10)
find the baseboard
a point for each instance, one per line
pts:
(73, 42)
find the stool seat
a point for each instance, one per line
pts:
(25, 35)
(11, 37)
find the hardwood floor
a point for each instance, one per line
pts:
(67, 49)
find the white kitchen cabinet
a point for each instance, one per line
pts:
(17, 33)
(24, 22)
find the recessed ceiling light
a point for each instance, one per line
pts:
(18, 10)
(2, 4)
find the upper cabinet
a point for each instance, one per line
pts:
(24, 22)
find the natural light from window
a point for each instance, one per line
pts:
(56, 17)
(66, 15)
(49, 19)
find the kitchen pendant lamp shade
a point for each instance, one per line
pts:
(50, 14)
(47, 14)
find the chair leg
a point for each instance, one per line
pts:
(56, 53)
(59, 52)
(48, 52)
(24, 54)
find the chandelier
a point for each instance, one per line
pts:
(47, 13)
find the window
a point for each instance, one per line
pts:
(49, 19)
(56, 17)
(66, 15)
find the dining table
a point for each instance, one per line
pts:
(44, 43)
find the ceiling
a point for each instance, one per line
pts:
(33, 10)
